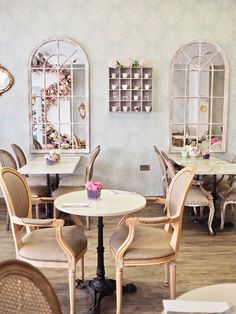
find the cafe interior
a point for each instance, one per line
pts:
(117, 163)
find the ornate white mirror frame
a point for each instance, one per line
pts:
(59, 97)
(6, 80)
(199, 76)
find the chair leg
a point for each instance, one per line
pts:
(172, 280)
(72, 290)
(88, 222)
(211, 216)
(222, 215)
(232, 209)
(119, 282)
(167, 274)
(82, 268)
(201, 211)
(8, 222)
(37, 211)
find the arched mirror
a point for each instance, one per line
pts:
(6, 80)
(199, 97)
(59, 97)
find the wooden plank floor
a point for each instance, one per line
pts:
(202, 260)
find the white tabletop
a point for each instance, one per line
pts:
(221, 292)
(211, 166)
(38, 165)
(110, 203)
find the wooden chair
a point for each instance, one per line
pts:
(25, 289)
(137, 241)
(36, 144)
(74, 183)
(52, 245)
(37, 192)
(197, 195)
(165, 179)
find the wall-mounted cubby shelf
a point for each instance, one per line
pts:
(130, 89)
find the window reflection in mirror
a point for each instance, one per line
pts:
(58, 89)
(199, 95)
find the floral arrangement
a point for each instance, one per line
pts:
(190, 150)
(93, 186)
(206, 154)
(214, 140)
(93, 189)
(127, 63)
(53, 157)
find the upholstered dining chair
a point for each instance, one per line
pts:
(74, 183)
(197, 195)
(165, 179)
(52, 244)
(25, 289)
(37, 192)
(137, 241)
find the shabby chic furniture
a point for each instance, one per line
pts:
(111, 203)
(52, 244)
(199, 75)
(197, 196)
(137, 241)
(59, 96)
(25, 289)
(224, 292)
(130, 89)
(37, 191)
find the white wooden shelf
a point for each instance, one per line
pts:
(130, 89)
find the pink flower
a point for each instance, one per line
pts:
(93, 186)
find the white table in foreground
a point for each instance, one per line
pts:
(111, 203)
(222, 292)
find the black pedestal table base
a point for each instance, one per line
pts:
(100, 286)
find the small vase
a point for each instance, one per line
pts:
(184, 154)
(93, 194)
(49, 162)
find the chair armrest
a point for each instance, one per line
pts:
(160, 200)
(148, 220)
(77, 221)
(31, 222)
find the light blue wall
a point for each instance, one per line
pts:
(151, 30)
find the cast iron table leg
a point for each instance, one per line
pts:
(100, 286)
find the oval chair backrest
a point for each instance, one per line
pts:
(16, 192)
(169, 165)
(25, 289)
(7, 160)
(37, 145)
(163, 169)
(20, 155)
(178, 190)
(89, 168)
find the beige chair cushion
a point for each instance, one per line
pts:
(148, 242)
(196, 197)
(72, 180)
(65, 189)
(41, 244)
(38, 191)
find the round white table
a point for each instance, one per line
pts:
(222, 292)
(111, 203)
